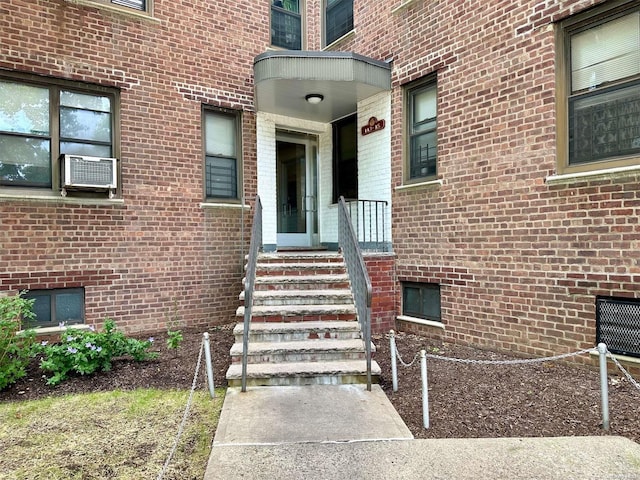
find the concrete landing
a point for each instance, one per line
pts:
(567, 458)
(344, 432)
(313, 413)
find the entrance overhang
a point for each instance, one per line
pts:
(283, 80)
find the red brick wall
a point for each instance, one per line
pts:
(519, 261)
(135, 259)
(381, 269)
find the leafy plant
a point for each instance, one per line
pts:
(16, 349)
(85, 352)
(174, 337)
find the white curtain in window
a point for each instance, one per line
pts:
(220, 133)
(424, 106)
(606, 53)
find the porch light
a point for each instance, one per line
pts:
(314, 98)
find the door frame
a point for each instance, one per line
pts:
(310, 237)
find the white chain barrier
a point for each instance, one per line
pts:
(601, 349)
(185, 416)
(626, 374)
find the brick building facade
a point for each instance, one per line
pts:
(501, 231)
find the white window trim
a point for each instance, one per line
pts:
(615, 172)
(421, 321)
(118, 9)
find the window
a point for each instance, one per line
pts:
(345, 158)
(40, 121)
(286, 24)
(222, 169)
(600, 90)
(53, 307)
(421, 300)
(338, 20)
(134, 4)
(618, 324)
(422, 138)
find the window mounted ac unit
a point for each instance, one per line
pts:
(81, 172)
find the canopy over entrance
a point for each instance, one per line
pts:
(284, 80)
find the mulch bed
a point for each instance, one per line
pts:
(466, 401)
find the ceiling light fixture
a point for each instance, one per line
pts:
(314, 98)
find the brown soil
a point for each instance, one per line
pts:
(466, 401)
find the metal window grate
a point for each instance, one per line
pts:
(618, 324)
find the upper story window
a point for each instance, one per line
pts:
(135, 4)
(422, 138)
(222, 169)
(41, 120)
(286, 24)
(600, 89)
(338, 19)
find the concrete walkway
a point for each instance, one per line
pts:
(345, 432)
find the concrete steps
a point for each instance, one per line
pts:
(304, 328)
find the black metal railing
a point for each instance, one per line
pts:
(250, 277)
(368, 218)
(358, 277)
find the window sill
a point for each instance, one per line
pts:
(617, 172)
(51, 198)
(343, 38)
(126, 12)
(621, 358)
(431, 183)
(404, 4)
(41, 331)
(224, 205)
(421, 321)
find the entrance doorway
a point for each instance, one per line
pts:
(296, 190)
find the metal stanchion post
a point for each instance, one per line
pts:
(604, 385)
(394, 365)
(207, 357)
(425, 388)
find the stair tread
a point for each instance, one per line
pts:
(321, 293)
(299, 255)
(291, 327)
(303, 369)
(306, 309)
(309, 345)
(320, 278)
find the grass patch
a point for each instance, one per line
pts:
(108, 435)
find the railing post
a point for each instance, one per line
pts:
(425, 388)
(207, 358)
(604, 385)
(254, 248)
(394, 364)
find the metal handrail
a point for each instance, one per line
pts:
(370, 223)
(358, 277)
(250, 277)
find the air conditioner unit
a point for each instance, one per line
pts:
(81, 172)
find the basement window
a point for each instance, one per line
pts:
(618, 324)
(56, 306)
(421, 300)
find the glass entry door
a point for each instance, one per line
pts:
(296, 191)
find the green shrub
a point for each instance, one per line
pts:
(174, 339)
(87, 351)
(16, 349)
